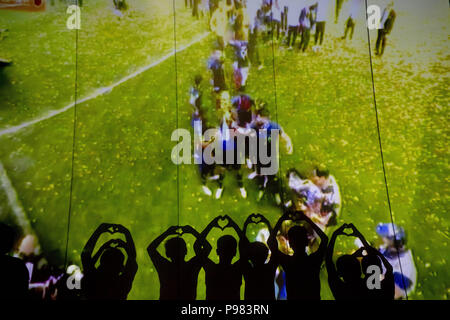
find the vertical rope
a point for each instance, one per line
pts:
(176, 105)
(176, 114)
(73, 145)
(381, 152)
(274, 75)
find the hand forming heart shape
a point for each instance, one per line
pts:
(179, 231)
(256, 218)
(220, 223)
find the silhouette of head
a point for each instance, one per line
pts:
(112, 261)
(370, 260)
(298, 238)
(226, 248)
(176, 248)
(7, 236)
(348, 268)
(258, 252)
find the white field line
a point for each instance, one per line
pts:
(99, 91)
(14, 202)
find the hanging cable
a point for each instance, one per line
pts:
(176, 105)
(382, 156)
(280, 176)
(73, 146)
(176, 115)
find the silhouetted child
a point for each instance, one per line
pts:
(15, 276)
(111, 279)
(177, 277)
(223, 280)
(375, 258)
(302, 270)
(387, 285)
(259, 276)
(344, 279)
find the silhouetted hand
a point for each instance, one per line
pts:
(215, 222)
(218, 219)
(231, 223)
(257, 218)
(175, 230)
(118, 228)
(105, 227)
(187, 229)
(355, 232)
(341, 230)
(112, 228)
(116, 243)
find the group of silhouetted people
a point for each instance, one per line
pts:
(258, 263)
(109, 272)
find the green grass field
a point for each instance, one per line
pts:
(324, 101)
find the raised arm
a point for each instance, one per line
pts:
(236, 228)
(128, 245)
(153, 246)
(244, 244)
(210, 226)
(190, 230)
(331, 268)
(388, 282)
(387, 265)
(370, 249)
(206, 246)
(357, 234)
(202, 247)
(250, 219)
(246, 223)
(243, 241)
(86, 255)
(99, 252)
